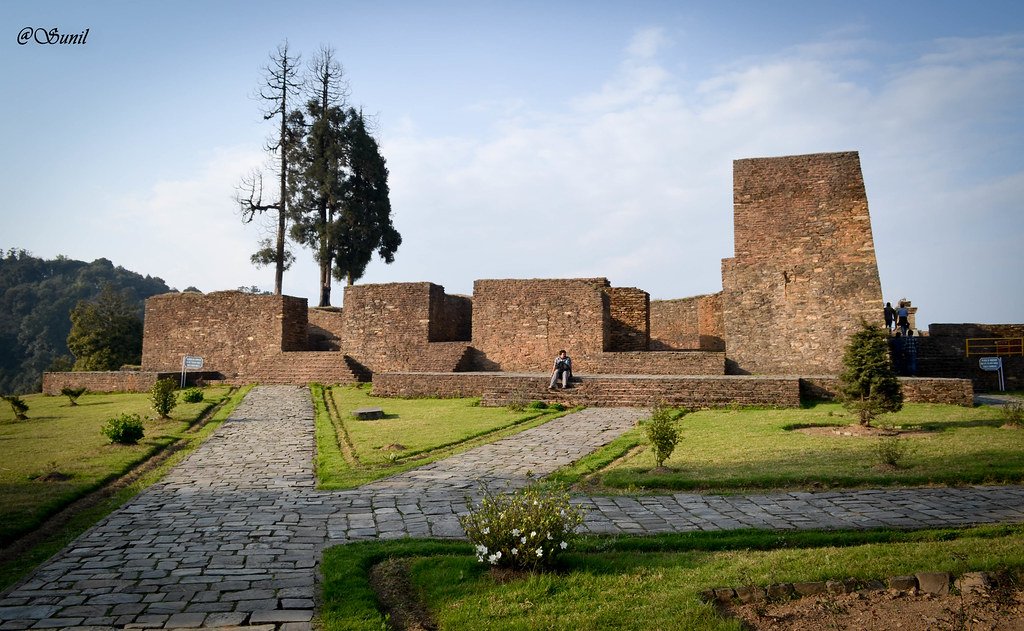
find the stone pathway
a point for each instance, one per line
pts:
(232, 536)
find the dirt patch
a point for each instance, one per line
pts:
(398, 599)
(881, 610)
(858, 431)
(54, 476)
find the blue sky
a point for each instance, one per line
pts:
(530, 139)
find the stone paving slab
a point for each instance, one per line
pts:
(231, 538)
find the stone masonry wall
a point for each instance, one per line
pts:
(325, 328)
(520, 325)
(915, 390)
(630, 326)
(942, 353)
(640, 391)
(99, 381)
(232, 331)
(451, 317)
(804, 272)
(687, 324)
(387, 327)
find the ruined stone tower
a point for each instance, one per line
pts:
(804, 272)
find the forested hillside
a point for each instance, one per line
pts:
(36, 300)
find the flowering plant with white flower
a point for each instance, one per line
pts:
(526, 529)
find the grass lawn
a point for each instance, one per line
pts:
(647, 583)
(757, 449)
(59, 453)
(414, 432)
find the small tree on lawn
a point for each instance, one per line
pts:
(868, 383)
(73, 393)
(663, 433)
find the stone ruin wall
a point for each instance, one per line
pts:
(630, 312)
(232, 331)
(804, 272)
(942, 353)
(687, 324)
(405, 326)
(520, 325)
(803, 275)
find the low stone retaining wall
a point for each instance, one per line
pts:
(108, 381)
(915, 389)
(937, 583)
(496, 389)
(503, 388)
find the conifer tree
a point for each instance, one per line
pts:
(868, 383)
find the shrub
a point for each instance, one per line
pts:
(891, 451)
(125, 429)
(163, 397)
(1013, 413)
(662, 432)
(73, 393)
(537, 405)
(524, 530)
(868, 383)
(192, 395)
(18, 405)
(557, 407)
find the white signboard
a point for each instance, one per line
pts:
(190, 362)
(993, 364)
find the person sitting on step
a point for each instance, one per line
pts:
(562, 370)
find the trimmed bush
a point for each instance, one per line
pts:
(163, 397)
(125, 429)
(192, 395)
(662, 433)
(524, 530)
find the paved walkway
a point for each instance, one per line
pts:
(233, 535)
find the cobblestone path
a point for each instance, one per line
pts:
(232, 536)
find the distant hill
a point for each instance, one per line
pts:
(36, 299)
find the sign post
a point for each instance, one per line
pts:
(993, 364)
(189, 362)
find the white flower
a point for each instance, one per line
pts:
(481, 549)
(563, 545)
(494, 557)
(550, 537)
(540, 552)
(515, 532)
(522, 540)
(515, 551)
(533, 533)
(486, 531)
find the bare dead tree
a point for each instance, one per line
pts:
(281, 81)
